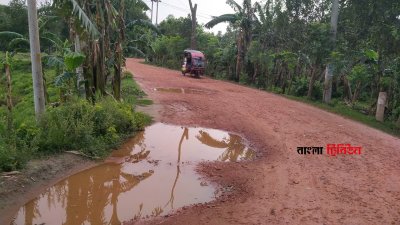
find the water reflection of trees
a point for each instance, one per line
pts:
(86, 195)
(234, 147)
(89, 195)
(185, 134)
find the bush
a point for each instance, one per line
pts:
(92, 129)
(11, 159)
(300, 88)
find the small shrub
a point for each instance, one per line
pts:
(12, 159)
(92, 129)
(300, 87)
(276, 90)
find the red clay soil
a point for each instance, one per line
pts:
(280, 186)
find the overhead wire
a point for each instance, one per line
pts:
(199, 14)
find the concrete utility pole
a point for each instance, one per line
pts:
(152, 3)
(380, 106)
(37, 73)
(157, 11)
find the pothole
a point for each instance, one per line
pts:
(150, 175)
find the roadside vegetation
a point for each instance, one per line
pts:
(77, 124)
(89, 100)
(338, 55)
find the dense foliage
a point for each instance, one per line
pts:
(285, 46)
(91, 128)
(90, 100)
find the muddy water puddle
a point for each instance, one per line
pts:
(150, 175)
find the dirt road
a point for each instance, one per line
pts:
(281, 186)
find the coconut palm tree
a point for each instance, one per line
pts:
(243, 21)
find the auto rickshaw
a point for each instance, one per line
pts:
(193, 63)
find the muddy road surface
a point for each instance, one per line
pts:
(280, 186)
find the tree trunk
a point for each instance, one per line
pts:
(327, 95)
(37, 75)
(119, 55)
(193, 43)
(253, 79)
(79, 71)
(311, 83)
(347, 88)
(329, 68)
(398, 122)
(357, 91)
(101, 68)
(9, 98)
(239, 56)
(380, 108)
(8, 77)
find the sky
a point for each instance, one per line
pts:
(205, 10)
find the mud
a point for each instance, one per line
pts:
(280, 186)
(150, 175)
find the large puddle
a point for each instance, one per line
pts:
(150, 175)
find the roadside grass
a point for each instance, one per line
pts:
(338, 107)
(93, 129)
(131, 91)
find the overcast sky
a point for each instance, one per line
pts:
(205, 10)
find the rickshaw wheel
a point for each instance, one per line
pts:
(197, 74)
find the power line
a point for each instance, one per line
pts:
(203, 15)
(200, 14)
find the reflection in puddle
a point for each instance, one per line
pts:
(181, 90)
(150, 175)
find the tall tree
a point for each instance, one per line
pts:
(37, 73)
(242, 20)
(193, 10)
(329, 67)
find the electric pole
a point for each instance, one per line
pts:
(152, 3)
(37, 73)
(157, 12)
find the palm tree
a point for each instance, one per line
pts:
(242, 20)
(193, 10)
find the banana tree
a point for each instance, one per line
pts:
(243, 21)
(65, 61)
(7, 67)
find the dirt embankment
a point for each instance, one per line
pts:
(281, 186)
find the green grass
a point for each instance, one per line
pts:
(132, 93)
(341, 109)
(75, 125)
